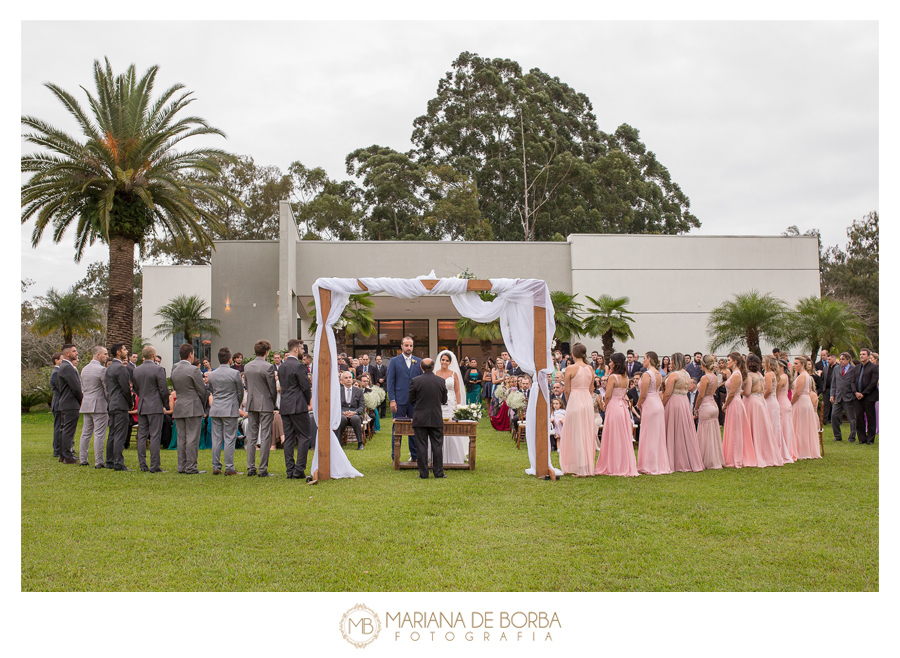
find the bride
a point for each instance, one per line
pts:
(455, 447)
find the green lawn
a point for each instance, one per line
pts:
(807, 526)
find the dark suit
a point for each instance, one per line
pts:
(693, 369)
(842, 392)
(296, 392)
(150, 386)
(358, 406)
(70, 397)
(381, 381)
(516, 372)
(117, 384)
(428, 392)
(372, 370)
(398, 381)
(633, 369)
(865, 381)
(54, 408)
(825, 393)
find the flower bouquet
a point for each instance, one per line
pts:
(468, 412)
(374, 397)
(516, 400)
(500, 393)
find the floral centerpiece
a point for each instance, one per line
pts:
(374, 397)
(468, 412)
(516, 400)
(500, 393)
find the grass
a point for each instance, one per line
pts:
(798, 527)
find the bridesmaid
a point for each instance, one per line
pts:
(768, 448)
(616, 448)
(653, 456)
(708, 434)
(681, 435)
(737, 444)
(577, 441)
(770, 393)
(784, 404)
(806, 422)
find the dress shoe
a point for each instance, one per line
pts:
(216, 471)
(440, 477)
(232, 473)
(423, 477)
(83, 464)
(194, 472)
(121, 468)
(144, 469)
(290, 476)
(159, 470)
(263, 474)
(300, 476)
(851, 441)
(99, 466)
(839, 440)
(70, 461)
(360, 447)
(251, 472)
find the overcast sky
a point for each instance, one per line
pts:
(762, 124)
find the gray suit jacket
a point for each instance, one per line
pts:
(841, 386)
(117, 379)
(149, 382)
(93, 386)
(191, 398)
(357, 403)
(261, 390)
(227, 391)
(69, 387)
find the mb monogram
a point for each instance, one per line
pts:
(360, 626)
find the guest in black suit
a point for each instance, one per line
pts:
(825, 393)
(819, 367)
(380, 380)
(514, 369)
(118, 385)
(296, 394)
(352, 408)
(365, 366)
(865, 389)
(428, 392)
(131, 364)
(70, 397)
(632, 366)
(54, 401)
(842, 398)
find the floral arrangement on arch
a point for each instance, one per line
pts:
(374, 397)
(516, 400)
(468, 412)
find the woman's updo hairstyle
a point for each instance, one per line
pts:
(709, 362)
(753, 363)
(618, 364)
(579, 352)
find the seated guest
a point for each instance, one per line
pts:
(524, 382)
(558, 392)
(514, 369)
(365, 385)
(352, 408)
(557, 418)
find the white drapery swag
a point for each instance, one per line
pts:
(514, 306)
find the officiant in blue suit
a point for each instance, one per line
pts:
(400, 372)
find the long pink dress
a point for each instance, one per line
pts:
(787, 417)
(681, 435)
(708, 435)
(768, 448)
(653, 456)
(774, 410)
(737, 441)
(806, 423)
(578, 439)
(616, 447)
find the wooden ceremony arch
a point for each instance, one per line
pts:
(324, 366)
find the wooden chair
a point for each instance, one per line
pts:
(520, 434)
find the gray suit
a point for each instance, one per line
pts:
(191, 402)
(119, 396)
(149, 381)
(844, 400)
(69, 387)
(93, 410)
(227, 392)
(358, 406)
(261, 395)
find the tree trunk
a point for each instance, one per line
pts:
(486, 348)
(340, 341)
(607, 346)
(120, 316)
(753, 343)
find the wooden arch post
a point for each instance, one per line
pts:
(324, 365)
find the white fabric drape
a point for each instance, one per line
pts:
(514, 306)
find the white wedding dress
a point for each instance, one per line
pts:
(455, 447)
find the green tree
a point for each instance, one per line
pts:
(608, 317)
(745, 320)
(186, 315)
(71, 313)
(827, 323)
(325, 209)
(356, 318)
(124, 179)
(566, 314)
(451, 211)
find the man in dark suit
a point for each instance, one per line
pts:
(820, 365)
(842, 398)
(558, 392)
(400, 372)
(865, 389)
(693, 368)
(131, 364)
(70, 397)
(825, 393)
(365, 366)
(353, 407)
(380, 380)
(296, 394)
(517, 416)
(54, 402)
(149, 381)
(191, 404)
(632, 367)
(118, 385)
(427, 393)
(514, 369)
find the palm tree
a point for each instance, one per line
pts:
(137, 347)
(356, 318)
(820, 322)
(566, 315)
(608, 318)
(186, 315)
(486, 334)
(70, 312)
(746, 319)
(123, 180)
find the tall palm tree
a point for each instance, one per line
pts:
(71, 313)
(745, 320)
(827, 323)
(356, 318)
(123, 179)
(608, 318)
(186, 315)
(566, 313)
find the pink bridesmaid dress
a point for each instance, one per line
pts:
(681, 435)
(774, 410)
(578, 438)
(768, 449)
(616, 447)
(806, 422)
(708, 435)
(737, 442)
(787, 420)
(653, 456)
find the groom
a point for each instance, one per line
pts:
(427, 393)
(400, 372)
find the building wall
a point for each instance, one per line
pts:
(162, 283)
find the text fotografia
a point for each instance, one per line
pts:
(480, 626)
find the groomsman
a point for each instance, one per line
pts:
(842, 398)
(70, 396)
(191, 403)
(296, 394)
(865, 389)
(54, 401)
(118, 387)
(227, 392)
(401, 371)
(261, 396)
(93, 406)
(150, 386)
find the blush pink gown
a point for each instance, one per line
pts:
(806, 422)
(578, 439)
(653, 456)
(768, 449)
(787, 419)
(774, 410)
(681, 435)
(737, 441)
(616, 447)
(708, 435)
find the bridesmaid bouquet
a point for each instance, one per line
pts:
(500, 393)
(374, 397)
(515, 400)
(468, 412)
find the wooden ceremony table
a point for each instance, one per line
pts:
(451, 428)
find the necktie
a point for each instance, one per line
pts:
(844, 371)
(859, 381)
(347, 395)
